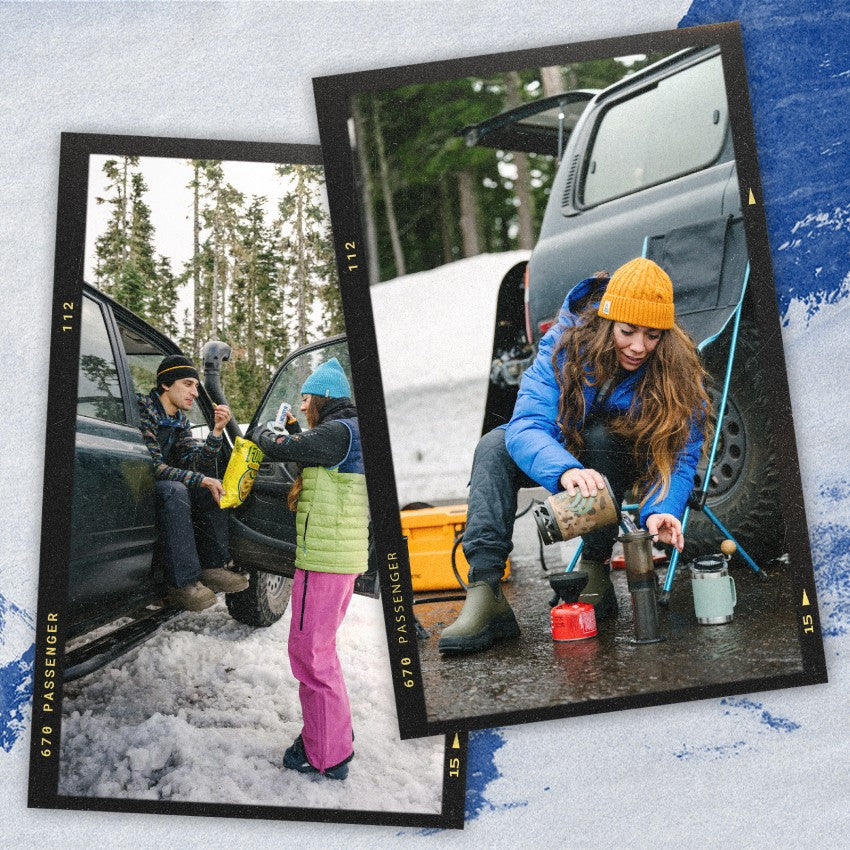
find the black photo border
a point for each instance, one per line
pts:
(74, 156)
(332, 94)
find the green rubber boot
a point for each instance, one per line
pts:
(599, 591)
(485, 618)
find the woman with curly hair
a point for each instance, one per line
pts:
(617, 389)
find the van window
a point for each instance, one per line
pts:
(98, 390)
(674, 128)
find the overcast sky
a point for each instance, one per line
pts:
(170, 200)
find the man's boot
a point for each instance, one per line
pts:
(192, 597)
(485, 618)
(221, 580)
(599, 591)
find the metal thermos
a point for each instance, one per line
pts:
(714, 590)
(562, 517)
(640, 573)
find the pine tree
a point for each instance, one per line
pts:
(112, 247)
(306, 268)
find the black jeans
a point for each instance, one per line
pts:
(193, 531)
(496, 479)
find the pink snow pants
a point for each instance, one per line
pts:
(319, 603)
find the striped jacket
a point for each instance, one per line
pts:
(177, 455)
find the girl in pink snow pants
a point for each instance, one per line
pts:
(332, 525)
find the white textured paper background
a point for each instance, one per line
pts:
(770, 769)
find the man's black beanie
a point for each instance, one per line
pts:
(173, 368)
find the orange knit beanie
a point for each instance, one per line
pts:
(639, 293)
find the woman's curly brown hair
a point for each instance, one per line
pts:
(659, 420)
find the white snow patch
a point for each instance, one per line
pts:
(204, 710)
(437, 326)
(435, 341)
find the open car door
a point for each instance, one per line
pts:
(541, 126)
(262, 529)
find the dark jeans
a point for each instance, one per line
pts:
(493, 488)
(193, 531)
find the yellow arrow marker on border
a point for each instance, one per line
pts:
(752, 197)
(456, 744)
(805, 598)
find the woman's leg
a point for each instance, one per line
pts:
(493, 486)
(319, 603)
(611, 455)
(486, 616)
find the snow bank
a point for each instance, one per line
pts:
(204, 710)
(437, 326)
(435, 341)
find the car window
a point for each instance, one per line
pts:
(674, 128)
(98, 389)
(287, 385)
(143, 358)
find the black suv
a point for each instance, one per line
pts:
(116, 583)
(648, 155)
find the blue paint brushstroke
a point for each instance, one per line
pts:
(16, 679)
(831, 555)
(481, 769)
(716, 751)
(778, 724)
(15, 696)
(797, 56)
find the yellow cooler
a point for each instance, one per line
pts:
(431, 535)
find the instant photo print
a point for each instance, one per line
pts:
(467, 199)
(219, 251)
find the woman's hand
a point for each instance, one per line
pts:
(667, 528)
(587, 481)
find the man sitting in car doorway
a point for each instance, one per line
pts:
(193, 529)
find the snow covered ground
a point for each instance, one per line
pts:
(204, 710)
(435, 340)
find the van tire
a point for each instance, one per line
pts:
(264, 601)
(745, 468)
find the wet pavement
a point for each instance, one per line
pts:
(534, 672)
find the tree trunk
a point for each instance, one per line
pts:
(522, 185)
(389, 206)
(367, 188)
(302, 263)
(196, 263)
(125, 211)
(553, 81)
(446, 219)
(468, 214)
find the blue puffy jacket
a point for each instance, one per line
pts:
(536, 442)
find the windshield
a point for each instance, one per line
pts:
(287, 385)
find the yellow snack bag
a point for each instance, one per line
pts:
(240, 473)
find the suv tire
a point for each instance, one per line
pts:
(744, 495)
(264, 601)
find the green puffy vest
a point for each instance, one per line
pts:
(332, 521)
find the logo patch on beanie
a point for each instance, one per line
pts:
(606, 307)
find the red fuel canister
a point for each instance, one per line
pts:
(573, 621)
